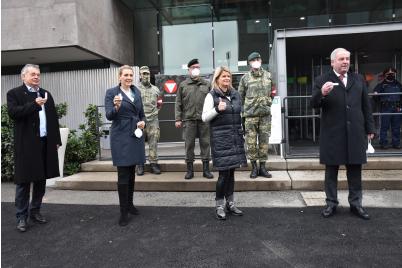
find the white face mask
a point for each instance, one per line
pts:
(138, 133)
(256, 64)
(195, 72)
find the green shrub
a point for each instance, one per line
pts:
(7, 145)
(61, 109)
(83, 146)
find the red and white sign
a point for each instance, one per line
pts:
(170, 86)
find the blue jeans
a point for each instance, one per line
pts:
(393, 121)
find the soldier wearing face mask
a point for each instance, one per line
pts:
(152, 101)
(255, 92)
(189, 104)
(390, 104)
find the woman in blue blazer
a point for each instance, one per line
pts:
(124, 107)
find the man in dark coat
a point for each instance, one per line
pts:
(36, 140)
(346, 124)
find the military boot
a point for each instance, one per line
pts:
(231, 208)
(205, 170)
(263, 172)
(155, 169)
(190, 171)
(254, 171)
(140, 170)
(220, 209)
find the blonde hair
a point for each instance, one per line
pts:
(218, 72)
(125, 67)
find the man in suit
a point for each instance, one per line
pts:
(36, 140)
(346, 124)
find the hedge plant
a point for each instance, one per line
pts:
(82, 146)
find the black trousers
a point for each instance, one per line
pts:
(22, 191)
(225, 184)
(125, 175)
(354, 176)
(125, 187)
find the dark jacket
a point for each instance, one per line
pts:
(190, 99)
(127, 149)
(346, 119)
(28, 158)
(227, 142)
(389, 87)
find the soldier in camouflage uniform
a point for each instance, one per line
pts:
(189, 104)
(152, 101)
(255, 91)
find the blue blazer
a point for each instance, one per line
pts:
(127, 149)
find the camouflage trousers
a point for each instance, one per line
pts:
(258, 130)
(152, 134)
(192, 129)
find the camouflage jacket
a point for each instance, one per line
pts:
(149, 97)
(255, 93)
(190, 99)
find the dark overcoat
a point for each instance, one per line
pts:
(127, 149)
(227, 142)
(346, 119)
(28, 158)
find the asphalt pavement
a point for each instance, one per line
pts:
(279, 229)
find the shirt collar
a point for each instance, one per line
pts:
(32, 89)
(337, 74)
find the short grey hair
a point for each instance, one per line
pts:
(336, 50)
(29, 65)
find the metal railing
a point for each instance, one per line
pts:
(285, 116)
(103, 129)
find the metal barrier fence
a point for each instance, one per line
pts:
(304, 151)
(285, 116)
(103, 151)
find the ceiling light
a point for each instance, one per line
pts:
(257, 21)
(302, 18)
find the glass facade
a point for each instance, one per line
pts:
(225, 32)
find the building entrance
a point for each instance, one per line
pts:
(309, 56)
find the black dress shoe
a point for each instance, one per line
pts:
(37, 217)
(360, 212)
(328, 212)
(22, 225)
